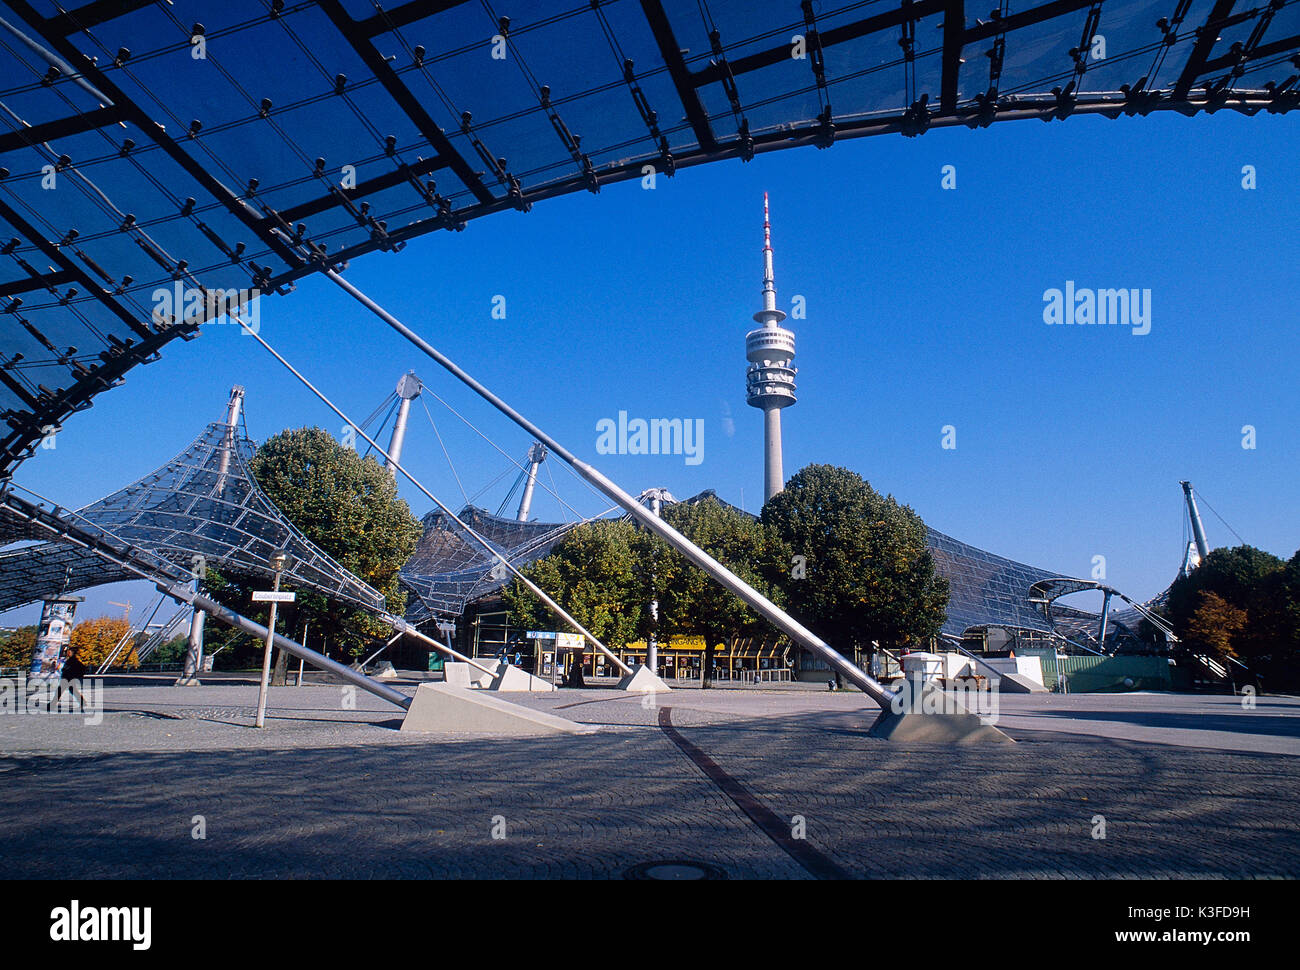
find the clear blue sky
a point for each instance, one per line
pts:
(924, 309)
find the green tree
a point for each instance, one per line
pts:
(1261, 587)
(1275, 644)
(691, 602)
(1243, 577)
(1236, 574)
(171, 652)
(1282, 593)
(348, 506)
(857, 565)
(595, 574)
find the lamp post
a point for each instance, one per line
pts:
(279, 560)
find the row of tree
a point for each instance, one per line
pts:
(1243, 603)
(91, 642)
(849, 563)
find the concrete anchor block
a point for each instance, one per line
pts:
(922, 711)
(444, 709)
(515, 678)
(642, 681)
(456, 674)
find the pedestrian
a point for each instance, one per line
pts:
(74, 671)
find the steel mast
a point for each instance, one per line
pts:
(408, 389)
(1198, 531)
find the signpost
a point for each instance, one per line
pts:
(279, 561)
(272, 596)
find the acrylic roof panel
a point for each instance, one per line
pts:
(201, 510)
(449, 568)
(243, 144)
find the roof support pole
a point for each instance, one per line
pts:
(194, 646)
(727, 579)
(408, 389)
(1198, 531)
(1105, 619)
(536, 455)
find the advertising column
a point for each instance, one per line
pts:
(52, 637)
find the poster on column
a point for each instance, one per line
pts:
(52, 638)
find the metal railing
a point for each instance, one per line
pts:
(774, 675)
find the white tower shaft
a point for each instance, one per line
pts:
(773, 466)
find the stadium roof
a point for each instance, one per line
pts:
(448, 569)
(240, 145)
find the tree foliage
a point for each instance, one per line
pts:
(858, 564)
(1237, 575)
(16, 647)
(1213, 624)
(605, 574)
(1260, 615)
(93, 640)
(692, 603)
(348, 506)
(863, 572)
(595, 574)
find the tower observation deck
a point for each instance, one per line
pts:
(769, 381)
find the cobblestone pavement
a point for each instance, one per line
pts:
(730, 780)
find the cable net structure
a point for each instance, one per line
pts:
(449, 569)
(162, 161)
(201, 510)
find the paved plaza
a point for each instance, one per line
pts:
(736, 783)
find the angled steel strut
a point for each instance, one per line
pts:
(729, 580)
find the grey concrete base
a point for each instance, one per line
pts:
(443, 709)
(461, 674)
(923, 712)
(456, 674)
(1012, 680)
(187, 682)
(948, 728)
(479, 679)
(1020, 684)
(642, 681)
(515, 678)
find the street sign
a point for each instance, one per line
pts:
(272, 596)
(563, 641)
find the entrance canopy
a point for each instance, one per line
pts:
(159, 161)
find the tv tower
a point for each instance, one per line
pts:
(769, 381)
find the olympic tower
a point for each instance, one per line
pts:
(769, 381)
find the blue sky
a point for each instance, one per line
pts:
(924, 309)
